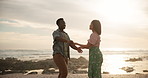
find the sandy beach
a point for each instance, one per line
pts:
(75, 76)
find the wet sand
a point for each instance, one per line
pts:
(74, 76)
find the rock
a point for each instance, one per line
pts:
(105, 72)
(38, 71)
(137, 73)
(134, 59)
(82, 59)
(83, 66)
(80, 63)
(48, 71)
(145, 70)
(12, 71)
(33, 72)
(128, 69)
(79, 71)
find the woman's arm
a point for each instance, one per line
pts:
(87, 46)
(72, 45)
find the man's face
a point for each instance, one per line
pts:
(62, 24)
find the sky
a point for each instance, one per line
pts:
(29, 24)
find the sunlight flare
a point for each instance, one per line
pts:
(116, 10)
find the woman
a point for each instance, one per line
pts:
(95, 55)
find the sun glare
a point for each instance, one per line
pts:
(116, 10)
(114, 63)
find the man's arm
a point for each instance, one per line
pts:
(62, 40)
(72, 45)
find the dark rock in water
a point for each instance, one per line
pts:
(82, 59)
(7, 72)
(12, 71)
(134, 59)
(79, 71)
(128, 69)
(48, 71)
(105, 72)
(137, 73)
(145, 70)
(83, 66)
(32, 73)
(19, 66)
(80, 63)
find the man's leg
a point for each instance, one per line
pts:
(61, 63)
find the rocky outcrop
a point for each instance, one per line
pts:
(134, 59)
(128, 69)
(18, 66)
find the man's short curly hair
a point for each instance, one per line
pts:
(57, 22)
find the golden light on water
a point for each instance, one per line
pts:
(114, 63)
(116, 49)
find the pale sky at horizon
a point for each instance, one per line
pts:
(28, 24)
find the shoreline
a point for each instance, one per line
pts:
(76, 66)
(18, 75)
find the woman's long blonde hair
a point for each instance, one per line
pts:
(96, 26)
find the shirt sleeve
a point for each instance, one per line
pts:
(68, 36)
(93, 39)
(55, 34)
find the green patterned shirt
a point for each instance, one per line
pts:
(61, 47)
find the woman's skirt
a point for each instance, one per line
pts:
(95, 62)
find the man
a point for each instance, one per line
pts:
(61, 48)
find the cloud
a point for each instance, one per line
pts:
(22, 23)
(120, 41)
(13, 40)
(37, 18)
(78, 35)
(45, 12)
(41, 11)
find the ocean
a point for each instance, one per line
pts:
(114, 61)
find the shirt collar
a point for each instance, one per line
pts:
(61, 31)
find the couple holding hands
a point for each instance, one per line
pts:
(61, 50)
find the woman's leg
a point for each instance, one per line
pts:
(95, 63)
(98, 59)
(61, 63)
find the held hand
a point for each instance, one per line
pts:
(79, 50)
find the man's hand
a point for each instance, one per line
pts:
(79, 50)
(72, 44)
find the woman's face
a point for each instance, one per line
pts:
(91, 26)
